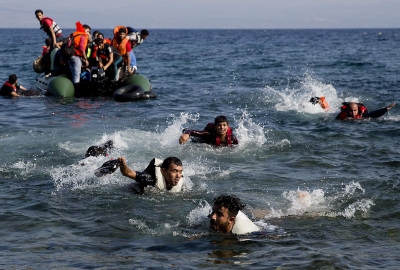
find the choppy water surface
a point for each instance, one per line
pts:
(57, 214)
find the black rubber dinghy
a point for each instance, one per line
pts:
(150, 94)
(128, 93)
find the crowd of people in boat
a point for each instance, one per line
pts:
(76, 53)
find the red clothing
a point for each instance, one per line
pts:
(209, 136)
(128, 47)
(7, 89)
(46, 23)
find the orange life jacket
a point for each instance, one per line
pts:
(121, 47)
(80, 31)
(324, 104)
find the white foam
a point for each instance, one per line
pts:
(298, 98)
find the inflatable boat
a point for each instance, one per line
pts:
(129, 88)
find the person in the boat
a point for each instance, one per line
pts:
(122, 44)
(51, 28)
(108, 58)
(218, 133)
(135, 38)
(11, 87)
(81, 38)
(227, 216)
(353, 110)
(165, 175)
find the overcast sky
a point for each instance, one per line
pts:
(178, 14)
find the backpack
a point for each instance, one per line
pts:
(68, 46)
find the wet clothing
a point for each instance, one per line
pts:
(8, 88)
(209, 136)
(362, 112)
(152, 176)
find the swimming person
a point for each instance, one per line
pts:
(353, 110)
(218, 133)
(227, 216)
(11, 87)
(321, 101)
(165, 175)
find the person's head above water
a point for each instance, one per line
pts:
(12, 79)
(224, 211)
(101, 150)
(171, 169)
(352, 109)
(221, 125)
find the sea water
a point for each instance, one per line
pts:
(56, 214)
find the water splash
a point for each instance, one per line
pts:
(298, 98)
(170, 136)
(347, 202)
(249, 132)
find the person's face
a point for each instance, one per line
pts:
(101, 46)
(352, 111)
(122, 35)
(87, 31)
(100, 36)
(220, 221)
(172, 175)
(144, 36)
(39, 16)
(221, 128)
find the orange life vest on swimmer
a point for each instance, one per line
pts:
(78, 34)
(343, 114)
(228, 136)
(121, 47)
(323, 103)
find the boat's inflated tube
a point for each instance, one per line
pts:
(128, 93)
(150, 94)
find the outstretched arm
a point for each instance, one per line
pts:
(125, 170)
(380, 112)
(390, 106)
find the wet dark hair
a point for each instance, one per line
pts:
(95, 151)
(233, 203)
(171, 160)
(144, 32)
(12, 78)
(220, 119)
(38, 11)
